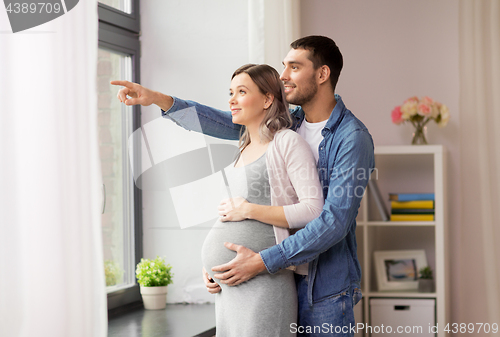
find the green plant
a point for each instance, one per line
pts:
(113, 273)
(426, 273)
(154, 273)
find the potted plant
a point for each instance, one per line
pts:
(154, 277)
(426, 281)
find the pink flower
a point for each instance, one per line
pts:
(424, 109)
(397, 115)
(427, 100)
(421, 110)
(413, 100)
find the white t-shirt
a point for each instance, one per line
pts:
(311, 132)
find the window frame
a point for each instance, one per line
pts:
(119, 31)
(118, 18)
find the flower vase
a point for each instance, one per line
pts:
(154, 298)
(419, 134)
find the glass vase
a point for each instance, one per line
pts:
(419, 134)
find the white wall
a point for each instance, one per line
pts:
(190, 49)
(395, 49)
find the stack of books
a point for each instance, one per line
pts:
(412, 206)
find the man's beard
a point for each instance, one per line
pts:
(309, 91)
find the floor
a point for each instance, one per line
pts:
(177, 320)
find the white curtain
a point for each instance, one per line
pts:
(480, 159)
(52, 280)
(272, 26)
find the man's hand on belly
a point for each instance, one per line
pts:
(242, 268)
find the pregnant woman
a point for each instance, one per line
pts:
(275, 188)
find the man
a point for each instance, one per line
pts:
(343, 147)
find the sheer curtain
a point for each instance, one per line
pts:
(480, 153)
(272, 26)
(52, 280)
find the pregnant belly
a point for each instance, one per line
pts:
(252, 234)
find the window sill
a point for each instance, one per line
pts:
(176, 320)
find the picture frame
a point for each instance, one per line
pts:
(398, 269)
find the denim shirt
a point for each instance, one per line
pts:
(346, 159)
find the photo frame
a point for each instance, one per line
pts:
(398, 269)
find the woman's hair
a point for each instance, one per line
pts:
(277, 116)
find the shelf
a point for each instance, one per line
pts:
(396, 223)
(406, 169)
(409, 149)
(398, 294)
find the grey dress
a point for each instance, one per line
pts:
(266, 305)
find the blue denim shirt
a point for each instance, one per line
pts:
(346, 159)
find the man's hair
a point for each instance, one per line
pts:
(323, 51)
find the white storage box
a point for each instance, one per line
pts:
(401, 317)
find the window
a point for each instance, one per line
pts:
(122, 5)
(115, 123)
(123, 14)
(118, 58)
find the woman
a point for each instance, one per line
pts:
(274, 182)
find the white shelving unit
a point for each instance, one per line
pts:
(406, 169)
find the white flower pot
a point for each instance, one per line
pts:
(154, 298)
